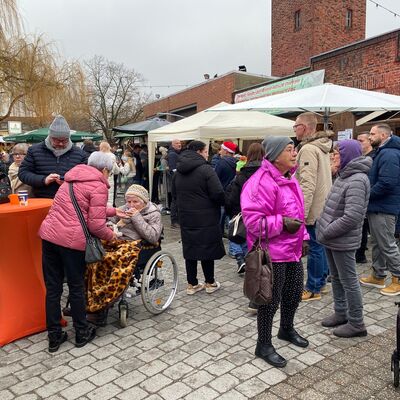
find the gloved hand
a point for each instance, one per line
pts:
(305, 248)
(291, 225)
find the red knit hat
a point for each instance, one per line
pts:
(229, 146)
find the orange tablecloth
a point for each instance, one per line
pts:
(22, 290)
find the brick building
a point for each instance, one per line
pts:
(304, 28)
(204, 95)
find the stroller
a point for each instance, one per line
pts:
(396, 353)
(149, 270)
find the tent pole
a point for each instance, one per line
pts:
(326, 118)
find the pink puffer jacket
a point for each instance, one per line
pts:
(62, 226)
(270, 195)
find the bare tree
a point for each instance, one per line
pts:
(113, 94)
(10, 22)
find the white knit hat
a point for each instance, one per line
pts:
(138, 191)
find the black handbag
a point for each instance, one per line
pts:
(94, 250)
(5, 188)
(258, 278)
(237, 230)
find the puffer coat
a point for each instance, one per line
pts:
(340, 224)
(62, 226)
(199, 197)
(267, 194)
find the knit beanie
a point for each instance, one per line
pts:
(138, 191)
(274, 145)
(59, 128)
(349, 149)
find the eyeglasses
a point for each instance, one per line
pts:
(295, 126)
(60, 140)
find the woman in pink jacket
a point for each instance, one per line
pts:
(63, 244)
(272, 195)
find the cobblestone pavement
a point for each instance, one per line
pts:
(202, 347)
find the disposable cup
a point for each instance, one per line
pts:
(23, 197)
(13, 199)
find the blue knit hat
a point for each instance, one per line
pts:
(59, 128)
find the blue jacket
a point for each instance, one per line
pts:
(172, 159)
(385, 179)
(226, 170)
(40, 162)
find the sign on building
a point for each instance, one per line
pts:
(14, 127)
(314, 78)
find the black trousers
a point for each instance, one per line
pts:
(286, 292)
(360, 253)
(57, 260)
(191, 271)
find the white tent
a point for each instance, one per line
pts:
(327, 99)
(219, 125)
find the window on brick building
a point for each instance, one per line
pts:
(297, 22)
(349, 18)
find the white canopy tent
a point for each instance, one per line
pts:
(216, 125)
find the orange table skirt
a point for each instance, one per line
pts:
(22, 289)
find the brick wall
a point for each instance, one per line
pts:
(322, 28)
(372, 64)
(205, 95)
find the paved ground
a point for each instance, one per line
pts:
(203, 348)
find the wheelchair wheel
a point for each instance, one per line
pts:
(123, 314)
(159, 282)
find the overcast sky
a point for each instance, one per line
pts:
(171, 42)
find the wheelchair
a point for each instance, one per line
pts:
(155, 279)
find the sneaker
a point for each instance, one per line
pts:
(212, 287)
(308, 296)
(241, 268)
(324, 289)
(393, 289)
(56, 340)
(371, 281)
(83, 338)
(194, 289)
(252, 308)
(361, 260)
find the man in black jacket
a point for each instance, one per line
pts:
(172, 159)
(47, 162)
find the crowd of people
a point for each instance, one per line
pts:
(317, 199)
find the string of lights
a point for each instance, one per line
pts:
(395, 14)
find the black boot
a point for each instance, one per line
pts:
(290, 335)
(85, 337)
(267, 353)
(55, 340)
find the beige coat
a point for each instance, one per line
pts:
(314, 173)
(16, 184)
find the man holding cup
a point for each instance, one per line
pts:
(46, 163)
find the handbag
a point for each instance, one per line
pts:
(237, 229)
(94, 250)
(258, 278)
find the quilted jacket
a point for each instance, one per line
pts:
(267, 194)
(40, 162)
(340, 225)
(62, 226)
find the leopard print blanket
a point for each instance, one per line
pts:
(106, 280)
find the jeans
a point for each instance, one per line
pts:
(346, 289)
(237, 249)
(317, 266)
(57, 261)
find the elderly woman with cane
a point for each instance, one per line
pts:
(273, 195)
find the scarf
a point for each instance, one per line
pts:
(57, 152)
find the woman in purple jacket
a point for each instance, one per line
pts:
(63, 244)
(272, 195)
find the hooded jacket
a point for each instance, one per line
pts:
(267, 194)
(340, 224)
(385, 178)
(226, 170)
(314, 173)
(199, 196)
(62, 225)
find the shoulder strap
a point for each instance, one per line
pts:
(78, 211)
(263, 220)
